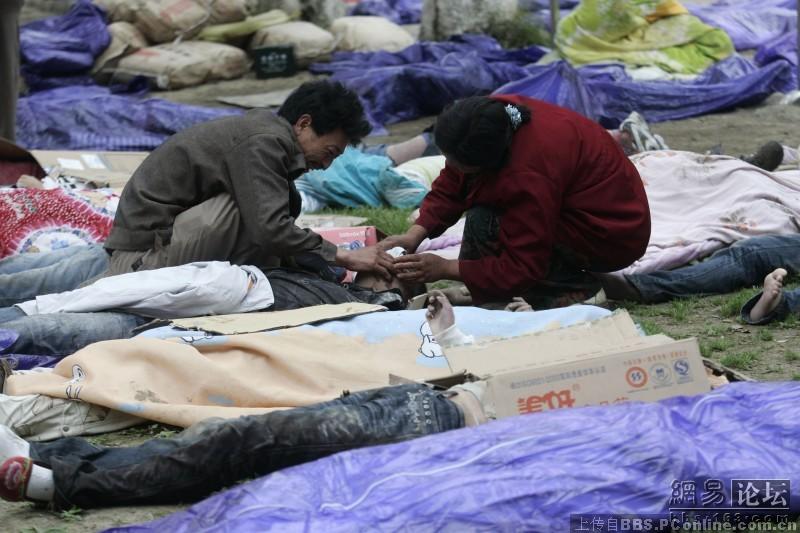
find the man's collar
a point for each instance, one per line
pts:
(297, 161)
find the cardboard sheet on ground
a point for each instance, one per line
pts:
(180, 382)
(249, 101)
(252, 322)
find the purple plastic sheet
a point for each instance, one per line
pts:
(398, 11)
(22, 362)
(62, 46)
(782, 47)
(608, 95)
(92, 118)
(751, 23)
(423, 78)
(527, 473)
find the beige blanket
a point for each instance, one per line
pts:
(181, 384)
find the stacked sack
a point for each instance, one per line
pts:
(182, 43)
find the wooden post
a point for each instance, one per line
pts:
(555, 16)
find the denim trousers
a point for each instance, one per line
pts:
(25, 276)
(65, 333)
(218, 453)
(743, 264)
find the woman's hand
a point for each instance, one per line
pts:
(409, 240)
(425, 268)
(369, 259)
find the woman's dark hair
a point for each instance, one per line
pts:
(331, 106)
(477, 131)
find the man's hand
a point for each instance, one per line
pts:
(425, 268)
(369, 259)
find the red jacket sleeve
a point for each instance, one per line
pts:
(444, 204)
(527, 228)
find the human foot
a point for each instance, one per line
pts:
(440, 313)
(770, 295)
(617, 287)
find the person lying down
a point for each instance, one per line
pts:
(114, 307)
(218, 453)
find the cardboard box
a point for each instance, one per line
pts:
(599, 363)
(104, 169)
(349, 239)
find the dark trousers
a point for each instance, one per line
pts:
(567, 281)
(218, 453)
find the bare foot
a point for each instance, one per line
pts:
(440, 313)
(518, 304)
(770, 296)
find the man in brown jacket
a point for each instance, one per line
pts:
(224, 190)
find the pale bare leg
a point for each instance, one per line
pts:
(770, 296)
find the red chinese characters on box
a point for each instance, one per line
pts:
(549, 400)
(349, 239)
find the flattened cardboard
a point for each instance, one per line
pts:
(255, 322)
(104, 169)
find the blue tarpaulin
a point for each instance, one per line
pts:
(527, 473)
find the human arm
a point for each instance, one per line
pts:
(426, 268)
(440, 209)
(259, 175)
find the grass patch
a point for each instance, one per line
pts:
(795, 377)
(650, 327)
(72, 515)
(679, 310)
(792, 356)
(730, 306)
(389, 221)
(741, 361)
(765, 335)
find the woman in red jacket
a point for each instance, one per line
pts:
(549, 196)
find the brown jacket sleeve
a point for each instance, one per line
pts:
(258, 169)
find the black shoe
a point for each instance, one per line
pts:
(5, 371)
(768, 157)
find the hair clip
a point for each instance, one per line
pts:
(515, 116)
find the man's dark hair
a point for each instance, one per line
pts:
(331, 106)
(477, 131)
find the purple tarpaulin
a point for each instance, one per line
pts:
(19, 361)
(527, 473)
(750, 23)
(92, 118)
(63, 46)
(423, 78)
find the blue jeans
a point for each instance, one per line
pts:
(218, 453)
(25, 276)
(743, 264)
(63, 334)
